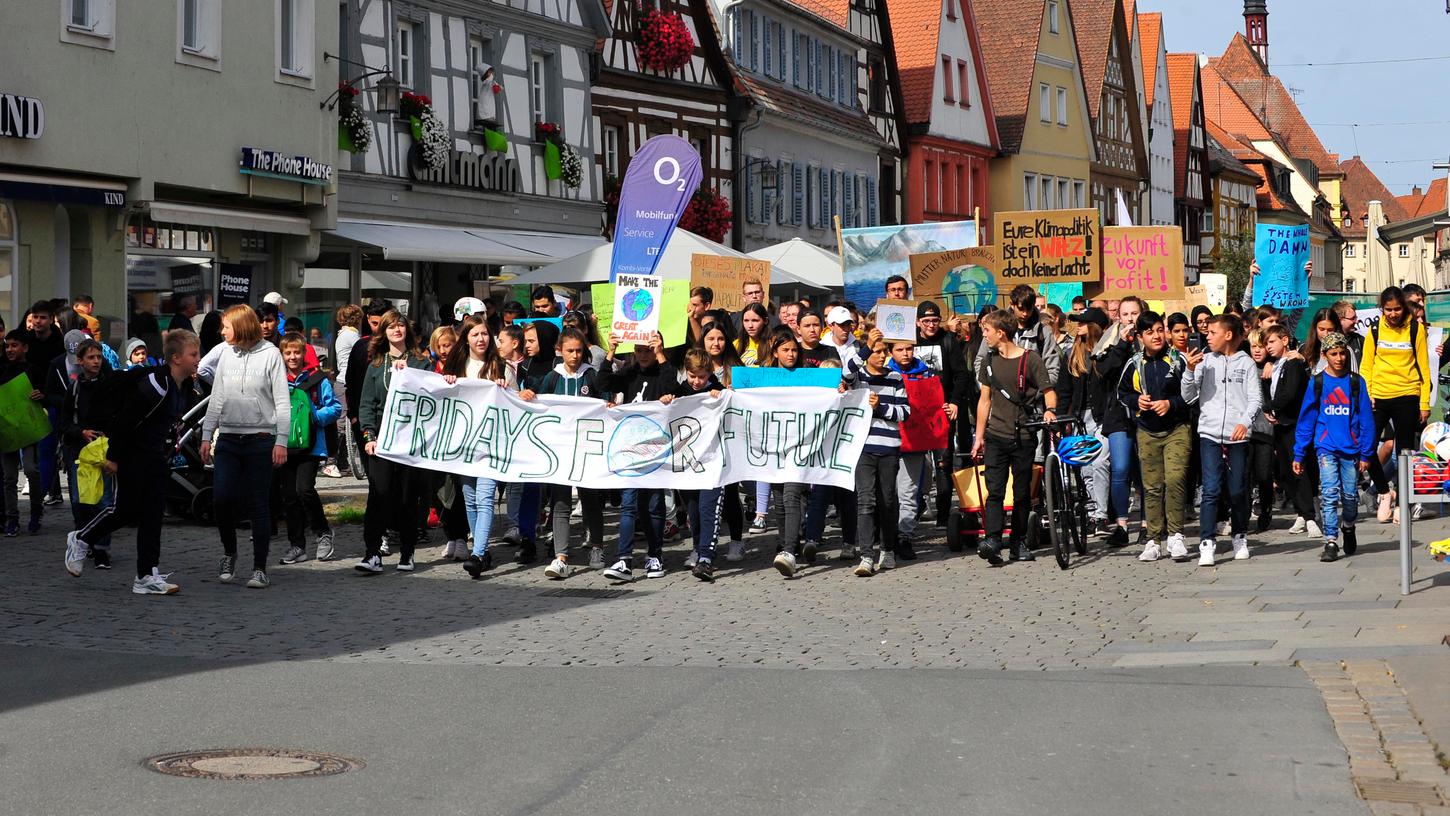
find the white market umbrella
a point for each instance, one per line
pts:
(593, 266)
(813, 265)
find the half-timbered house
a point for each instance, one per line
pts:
(1121, 166)
(1190, 163)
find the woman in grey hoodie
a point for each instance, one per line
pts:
(1225, 383)
(252, 410)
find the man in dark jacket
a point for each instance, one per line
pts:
(139, 457)
(357, 365)
(942, 352)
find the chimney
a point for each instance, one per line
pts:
(1416, 191)
(1256, 27)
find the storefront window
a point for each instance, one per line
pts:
(7, 264)
(327, 284)
(171, 275)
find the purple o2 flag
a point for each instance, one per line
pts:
(661, 178)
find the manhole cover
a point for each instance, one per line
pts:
(585, 593)
(1393, 790)
(251, 763)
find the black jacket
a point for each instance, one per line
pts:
(357, 374)
(634, 383)
(1109, 366)
(1283, 403)
(683, 389)
(145, 423)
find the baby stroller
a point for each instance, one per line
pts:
(189, 491)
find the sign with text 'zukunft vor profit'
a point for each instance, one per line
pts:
(637, 307)
(1050, 246)
(1143, 261)
(657, 187)
(1281, 253)
(475, 428)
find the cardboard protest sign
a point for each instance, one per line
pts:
(1192, 296)
(725, 275)
(1049, 246)
(896, 319)
(673, 323)
(1216, 286)
(22, 420)
(926, 427)
(637, 303)
(870, 255)
(1281, 253)
(1142, 261)
(773, 377)
(958, 280)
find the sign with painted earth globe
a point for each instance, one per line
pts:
(895, 324)
(639, 445)
(637, 304)
(969, 288)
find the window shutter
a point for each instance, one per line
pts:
(754, 40)
(870, 201)
(842, 85)
(798, 193)
(835, 195)
(780, 51)
(779, 211)
(736, 36)
(850, 199)
(751, 210)
(795, 59)
(769, 44)
(823, 197)
(811, 66)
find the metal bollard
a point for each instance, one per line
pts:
(1407, 487)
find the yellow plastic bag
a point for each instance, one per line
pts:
(90, 479)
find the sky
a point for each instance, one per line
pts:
(1377, 97)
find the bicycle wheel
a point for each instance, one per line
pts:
(1078, 490)
(1058, 515)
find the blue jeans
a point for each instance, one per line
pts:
(478, 497)
(703, 507)
(1122, 454)
(529, 511)
(83, 513)
(822, 496)
(630, 501)
(1213, 455)
(242, 486)
(1338, 491)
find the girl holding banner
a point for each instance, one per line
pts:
(723, 357)
(475, 357)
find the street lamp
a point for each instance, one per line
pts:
(769, 175)
(388, 89)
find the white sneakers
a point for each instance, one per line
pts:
(1150, 552)
(885, 560)
(596, 558)
(559, 569)
(654, 568)
(1224, 527)
(1241, 547)
(865, 568)
(785, 563)
(1298, 526)
(1176, 549)
(153, 584)
(1311, 529)
(735, 551)
(75, 554)
(456, 550)
(371, 564)
(692, 559)
(1205, 552)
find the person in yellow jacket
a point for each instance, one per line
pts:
(1396, 366)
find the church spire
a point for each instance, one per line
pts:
(1256, 27)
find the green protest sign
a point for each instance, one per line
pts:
(673, 320)
(22, 420)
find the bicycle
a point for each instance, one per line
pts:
(1064, 493)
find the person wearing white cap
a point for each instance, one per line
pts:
(275, 298)
(842, 325)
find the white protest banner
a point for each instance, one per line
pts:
(1364, 318)
(475, 428)
(637, 307)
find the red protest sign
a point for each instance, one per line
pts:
(927, 427)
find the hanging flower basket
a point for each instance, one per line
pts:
(571, 167)
(665, 43)
(429, 131)
(548, 133)
(707, 215)
(354, 133)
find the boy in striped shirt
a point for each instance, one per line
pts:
(881, 458)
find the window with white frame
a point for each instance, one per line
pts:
(1208, 220)
(1349, 250)
(1062, 106)
(1044, 198)
(406, 51)
(295, 25)
(198, 32)
(539, 86)
(1404, 250)
(1029, 191)
(1064, 193)
(88, 22)
(1078, 193)
(1052, 25)
(1044, 103)
(610, 139)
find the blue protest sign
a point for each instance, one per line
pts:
(770, 377)
(524, 321)
(1281, 253)
(661, 179)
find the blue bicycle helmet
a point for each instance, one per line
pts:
(1079, 451)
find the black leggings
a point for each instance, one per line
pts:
(1404, 414)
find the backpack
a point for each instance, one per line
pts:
(299, 432)
(1374, 330)
(113, 393)
(1354, 380)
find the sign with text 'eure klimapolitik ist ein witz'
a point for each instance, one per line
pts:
(1047, 246)
(661, 179)
(476, 428)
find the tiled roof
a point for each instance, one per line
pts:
(1092, 22)
(1360, 187)
(809, 109)
(1270, 101)
(1182, 71)
(1223, 106)
(1270, 200)
(915, 31)
(1009, 32)
(1222, 160)
(832, 11)
(1434, 200)
(1150, 32)
(1410, 202)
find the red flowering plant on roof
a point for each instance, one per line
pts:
(665, 43)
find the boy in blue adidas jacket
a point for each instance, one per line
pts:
(1338, 420)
